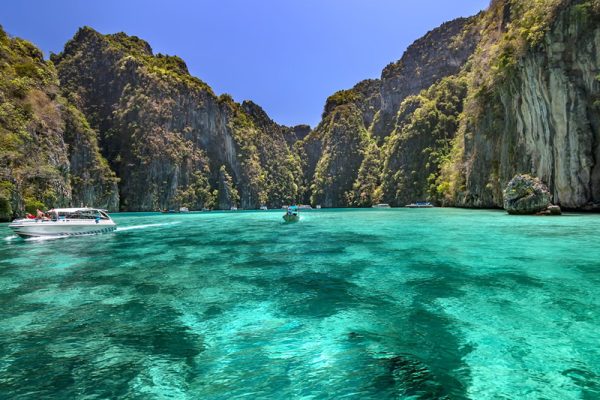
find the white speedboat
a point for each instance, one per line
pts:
(65, 222)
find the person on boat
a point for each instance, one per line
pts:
(40, 214)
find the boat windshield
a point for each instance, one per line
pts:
(82, 214)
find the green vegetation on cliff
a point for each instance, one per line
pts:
(367, 190)
(345, 140)
(421, 142)
(32, 171)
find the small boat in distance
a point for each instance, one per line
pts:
(65, 222)
(264, 208)
(233, 208)
(420, 204)
(184, 210)
(381, 205)
(318, 206)
(305, 207)
(169, 211)
(292, 214)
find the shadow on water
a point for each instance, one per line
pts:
(428, 361)
(410, 378)
(54, 364)
(431, 347)
(318, 295)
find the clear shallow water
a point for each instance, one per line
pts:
(358, 304)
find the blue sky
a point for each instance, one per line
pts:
(285, 55)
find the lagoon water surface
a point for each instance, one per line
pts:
(357, 304)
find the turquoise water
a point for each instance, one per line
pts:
(356, 304)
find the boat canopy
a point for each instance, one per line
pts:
(293, 208)
(79, 213)
(73, 210)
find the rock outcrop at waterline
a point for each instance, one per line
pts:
(525, 194)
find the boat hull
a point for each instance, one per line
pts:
(291, 218)
(38, 228)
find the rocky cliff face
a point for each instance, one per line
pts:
(441, 52)
(334, 151)
(296, 133)
(390, 169)
(93, 183)
(422, 140)
(344, 140)
(166, 134)
(540, 113)
(48, 154)
(477, 101)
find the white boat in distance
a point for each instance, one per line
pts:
(381, 205)
(65, 222)
(420, 204)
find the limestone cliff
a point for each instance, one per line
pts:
(334, 151)
(296, 133)
(422, 140)
(385, 166)
(93, 183)
(344, 140)
(48, 154)
(166, 134)
(513, 90)
(441, 52)
(535, 109)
